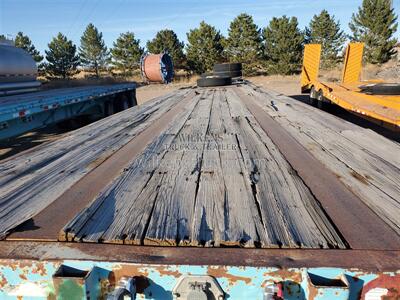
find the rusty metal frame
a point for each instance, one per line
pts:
(366, 260)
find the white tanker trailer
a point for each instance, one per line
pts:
(18, 70)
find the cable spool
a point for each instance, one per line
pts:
(157, 67)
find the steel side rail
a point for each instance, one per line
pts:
(367, 260)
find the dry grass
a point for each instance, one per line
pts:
(389, 72)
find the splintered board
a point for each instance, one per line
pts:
(365, 162)
(34, 179)
(213, 178)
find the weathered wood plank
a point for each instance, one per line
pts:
(175, 222)
(364, 161)
(172, 221)
(109, 215)
(290, 213)
(198, 192)
(225, 212)
(36, 178)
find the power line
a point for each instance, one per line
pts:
(92, 10)
(81, 8)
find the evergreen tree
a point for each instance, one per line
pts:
(126, 53)
(374, 24)
(61, 57)
(93, 52)
(168, 40)
(325, 30)
(24, 42)
(204, 47)
(283, 45)
(244, 43)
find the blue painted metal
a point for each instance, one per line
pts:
(32, 278)
(25, 112)
(167, 67)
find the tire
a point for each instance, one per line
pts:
(229, 73)
(207, 74)
(214, 81)
(320, 100)
(108, 108)
(71, 124)
(132, 99)
(227, 67)
(381, 89)
(123, 102)
(313, 94)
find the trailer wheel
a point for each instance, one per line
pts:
(108, 108)
(124, 102)
(132, 99)
(313, 96)
(121, 103)
(320, 100)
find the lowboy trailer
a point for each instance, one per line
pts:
(374, 100)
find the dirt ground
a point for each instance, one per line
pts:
(286, 85)
(148, 92)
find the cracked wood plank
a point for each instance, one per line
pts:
(225, 212)
(291, 215)
(171, 224)
(34, 179)
(120, 213)
(363, 161)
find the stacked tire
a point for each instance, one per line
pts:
(228, 70)
(214, 81)
(222, 75)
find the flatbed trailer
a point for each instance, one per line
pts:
(25, 112)
(217, 193)
(374, 100)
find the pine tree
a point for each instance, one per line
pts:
(93, 52)
(325, 30)
(126, 53)
(244, 43)
(204, 47)
(168, 40)
(283, 45)
(374, 24)
(61, 57)
(24, 42)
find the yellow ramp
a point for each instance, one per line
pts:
(311, 61)
(352, 63)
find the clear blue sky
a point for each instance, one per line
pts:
(43, 19)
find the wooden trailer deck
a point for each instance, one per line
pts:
(230, 166)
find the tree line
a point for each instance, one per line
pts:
(275, 49)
